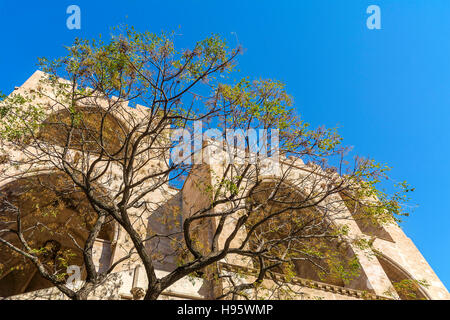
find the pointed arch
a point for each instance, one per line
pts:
(404, 283)
(92, 129)
(325, 259)
(55, 218)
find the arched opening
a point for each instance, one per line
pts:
(405, 286)
(90, 128)
(55, 220)
(309, 236)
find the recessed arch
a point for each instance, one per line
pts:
(404, 283)
(55, 217)
(92, 129)
(326, 259)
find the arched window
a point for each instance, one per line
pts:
(55, 219)
(90, 128)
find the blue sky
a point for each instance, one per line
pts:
(387, 90)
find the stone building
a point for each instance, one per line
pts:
(396, 257)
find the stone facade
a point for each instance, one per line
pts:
(397, 257)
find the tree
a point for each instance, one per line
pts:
(106, 160)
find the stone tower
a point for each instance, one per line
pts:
(393, 257)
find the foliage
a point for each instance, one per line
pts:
(86, 121)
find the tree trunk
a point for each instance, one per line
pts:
(152, 293)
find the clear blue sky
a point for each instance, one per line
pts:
(388, 90)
